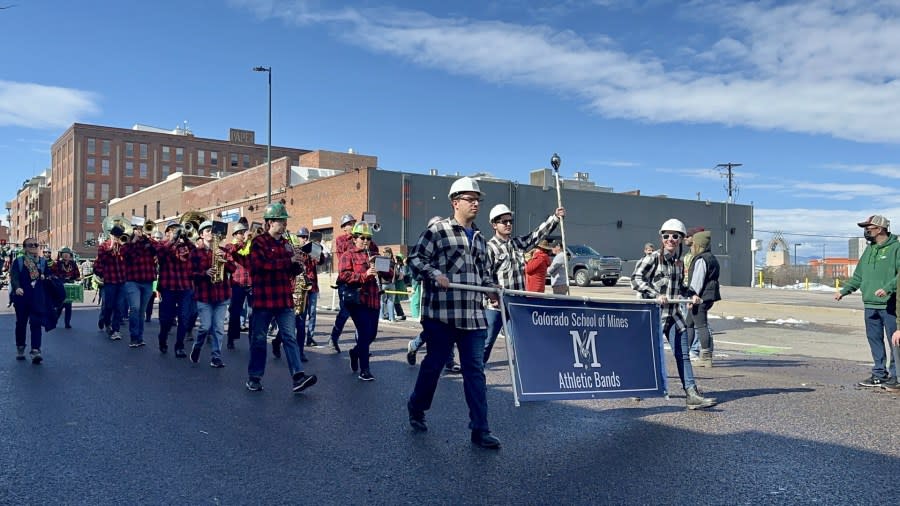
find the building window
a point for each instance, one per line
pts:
(179, 154)
(145, 211)
(104, 191)
(157, 209)
(104, 211)
(165, 171)
(143, 151)
(234, 159)
(90, 191)
(179, 169)
(104, 167)
(214, 158)
(91, 165)
(200, 171)
(143, 170)
(107, 147)
(129, 150)
(88, 236)
(246, 161)
(129, 169)
(92, 146)
(90, 215)
(201, 157)
(166, 154)
(129, 189)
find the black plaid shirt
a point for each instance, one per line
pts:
(507, 258)
(659, 274)
(443, 248)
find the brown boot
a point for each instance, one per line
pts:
(705, 359)
(695, 400)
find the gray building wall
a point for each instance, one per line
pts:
(612, 223)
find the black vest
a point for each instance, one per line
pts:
(710, 290)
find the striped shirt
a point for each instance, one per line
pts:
(507, 257)
(659, 274)
(444, 249)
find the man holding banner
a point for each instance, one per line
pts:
(453, 250)
(507, 260)
(660, 276)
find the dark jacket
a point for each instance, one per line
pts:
(710, 289)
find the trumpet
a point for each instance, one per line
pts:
(126, 236)
(149, 227)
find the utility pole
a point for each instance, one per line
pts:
(730, 175)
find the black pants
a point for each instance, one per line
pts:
(697, 322)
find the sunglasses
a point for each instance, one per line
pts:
(470, 200)
(31, 245)
(363, 238)
(505, 222)
(675, 237)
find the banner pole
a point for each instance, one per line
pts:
(510, 352)
(555, 161)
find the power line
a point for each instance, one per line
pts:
(809, 235)
(730, 175)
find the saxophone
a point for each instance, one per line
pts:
(302, 286)
(218, 263)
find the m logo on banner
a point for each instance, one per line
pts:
(584, 349)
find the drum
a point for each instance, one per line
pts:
(74, 293)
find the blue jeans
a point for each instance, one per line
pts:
(312, 301)
(259, 328)
(680, 349)
(366, 321)
(239, 295)
(495, 325)
(300, 327)
(212, 325)
(175, 303)
(137, 293)
(113, 306)
(387, 304)
(440, 337)
(881, 324)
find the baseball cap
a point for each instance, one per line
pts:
(877, 220)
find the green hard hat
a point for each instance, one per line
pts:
(65, 249)
(275, 211)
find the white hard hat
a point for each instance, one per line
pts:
(673, 225)
(499, 210)
(463, 184)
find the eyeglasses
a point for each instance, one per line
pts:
(674, 237)
(505, 222)
(363, 238)
(31, 245)
(470, 200)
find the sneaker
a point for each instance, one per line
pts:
(366, 376)
(36, 357)
(302, 381)
(179, 353)
(873, 381)
(312, 342)
(411, 352)
(892, 385)
(484, 439)
(215, 363)
(163, 348)
(254, 385)
(452, 367)
(101, 325)
(334, 344)
(401, 318)
(195, 355)
(136, 344)
(20, 353)
(115, 336)
(354, 360)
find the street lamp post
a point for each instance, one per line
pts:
(268, 70)
(795, 252)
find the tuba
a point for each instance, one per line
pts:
(114, 226)
(191, 221)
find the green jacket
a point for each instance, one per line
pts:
(877, 268)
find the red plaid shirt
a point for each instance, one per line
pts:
(175, 267)
(110, 264)
(140, 260)
(272, 272)
(354, 264)
(241, 276)
(311, 274)
(204, 289)
(66, 271)
(345, 242)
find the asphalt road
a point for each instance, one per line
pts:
(99, 423)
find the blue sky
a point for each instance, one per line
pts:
(647, 95)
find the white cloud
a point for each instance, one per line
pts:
(819, 66)
(884, 170)
(33, 105)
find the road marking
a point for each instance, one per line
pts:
(753, 344)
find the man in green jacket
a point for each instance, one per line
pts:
(876, 278)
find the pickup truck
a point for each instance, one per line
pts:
(586, 265)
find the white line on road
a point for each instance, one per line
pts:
(753, 344)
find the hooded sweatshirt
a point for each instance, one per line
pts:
(877, 269)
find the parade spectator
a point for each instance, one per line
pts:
(704, 276)
(536, 267)
(454, 250)
(557, 270)
(649, 248)
(660, 276)
(507, 260)
(876, 278)
(688, 258)
(26, 291)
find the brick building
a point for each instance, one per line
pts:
(29, 213)
(91, 165)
